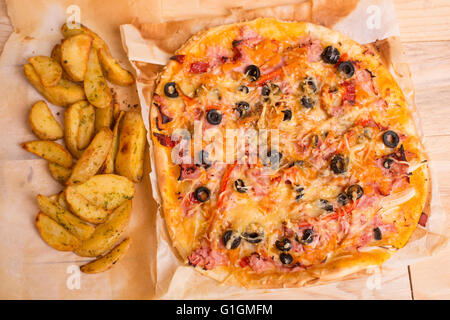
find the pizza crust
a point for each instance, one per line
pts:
(342, 265)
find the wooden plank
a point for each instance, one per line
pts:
(423, 20)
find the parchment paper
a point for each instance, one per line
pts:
(372, 22)
(29, 268)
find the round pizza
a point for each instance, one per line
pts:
(286, 154)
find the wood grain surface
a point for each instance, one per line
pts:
(425, 33)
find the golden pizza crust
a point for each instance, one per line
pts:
(344, 263)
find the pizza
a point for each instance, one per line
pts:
(286, 155)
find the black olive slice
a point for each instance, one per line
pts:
(331, 55)
(170, 90)
(299, 197)
(326, 205)
(309, 84)
(314, 141)
(214, 117)
(253, 237)
(231, 239)
(391, 139)
(338, 164)
(287, 115)
(239, 185)
(346, 69)
(275, 158)
(203, 159)
(387, 163)
(243, 89)
(202, 194)
(377, 234)
(265, 91)
(355, 192)
(252, 72)
(275, 89)
(307, 102)
(242, 107)
(308, 236)
(286, 258)
(283, 244)
(343, 199)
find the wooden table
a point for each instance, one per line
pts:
(425, 33)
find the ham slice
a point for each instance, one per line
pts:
(207, 258)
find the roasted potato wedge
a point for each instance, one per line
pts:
(113, 70)
(95, 86)
(55, 235)
(48, 69)
(93, 157)
(108, 166)
(63, 94)
(104, 117)
(106, 190)
(79, 228)
(50, 151)
(59, 173)
(87, 126)
(56, 54)
(116, 111)
(108, 260)
(54, 197)
(43, 124)
(83, 208)
(72, 120)
(106, 234)
(75, 54)
(62, 200)
(132, 141)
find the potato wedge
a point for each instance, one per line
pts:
(56, 54)
(113, 70)
(104, 117)
(108, 260)
(132, 141)
(55, 235)
(43, 124)
(83, 208)
(95, 86)
(108, 166)
(106, 190)
(72, 120)
(59, 173)
(63, 94)
(75, 54)
(106, 234)
(93, 157)
(62, 200)
(48, 69)
(50, 151)
(87, 126)
(54, 197)
(79, 228)
(116, 111)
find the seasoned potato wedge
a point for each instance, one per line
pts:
(59, 173)
(72, 120)
(116, 111)
(56, 54)
(108, 166)
(54, 197)
(63, 94)
(106, 234)
(43, 123)
(93, 157)
(87, 126)
(48, 69)
(62, 200)
(113, 70)
(50, 151)
(83, 208)
(132, 140)
(55, 235)
(95, 86)
(106, 190)
(79, 228)
(104, 117)
(75, 54)
(108, 260)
